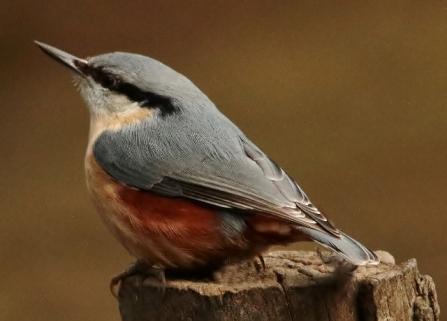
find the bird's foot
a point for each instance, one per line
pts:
(139, 267)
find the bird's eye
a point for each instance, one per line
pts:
(108, 81)
(105, 79)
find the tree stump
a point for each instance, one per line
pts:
(293, 286)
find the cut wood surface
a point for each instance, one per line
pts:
(294, 286)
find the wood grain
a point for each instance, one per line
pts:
(294, 286)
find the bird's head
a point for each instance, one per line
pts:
(122, 82)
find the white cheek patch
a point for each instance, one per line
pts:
(101, 101)
(120, 103)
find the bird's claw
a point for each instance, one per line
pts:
(139, 267)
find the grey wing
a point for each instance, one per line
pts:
(253, 182)
(224, 169)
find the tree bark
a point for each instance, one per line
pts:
(293, 286)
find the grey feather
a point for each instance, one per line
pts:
(346, 246)
(198, 153)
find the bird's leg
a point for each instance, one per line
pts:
(139, 267)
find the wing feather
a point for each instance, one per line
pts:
(216, 165)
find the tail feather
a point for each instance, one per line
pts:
(345, 246)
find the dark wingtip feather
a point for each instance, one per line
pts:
(347, 247)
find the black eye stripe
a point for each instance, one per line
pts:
(145, 99)
(105, 79)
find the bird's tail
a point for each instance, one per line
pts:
(345, 246)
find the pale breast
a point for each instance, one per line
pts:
(104, 194)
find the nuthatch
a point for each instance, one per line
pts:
(177, 183)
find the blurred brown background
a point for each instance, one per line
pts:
(350, 98)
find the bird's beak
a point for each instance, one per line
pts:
(74, 63)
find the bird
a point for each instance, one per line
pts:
(178, 184)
